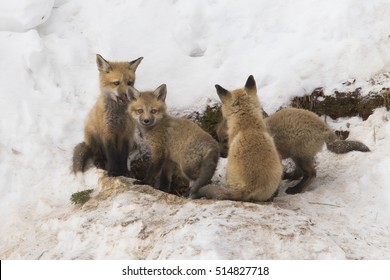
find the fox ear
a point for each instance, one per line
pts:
(250, 85)
(222, 93)
(133, 94)
(102, 64)
(134, 64)
(161, 92)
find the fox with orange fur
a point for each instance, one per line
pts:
(175, 143)
(109, 129)
(298, 134)
(254, 167)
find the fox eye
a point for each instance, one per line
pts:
(130, 83)
(140, 111)
(153, 111)
(225, 141)
(116, 83)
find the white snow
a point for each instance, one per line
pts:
(22, 15)
(49, 83)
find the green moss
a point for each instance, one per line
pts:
(209, 120)
(81, 197)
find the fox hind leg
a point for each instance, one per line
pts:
(207, 169)
(293, 175)
(309, 174)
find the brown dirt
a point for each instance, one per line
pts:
(343, 104)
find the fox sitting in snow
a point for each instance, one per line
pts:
(175, 143)
(254, 168)
(298, 134)
(109, 130)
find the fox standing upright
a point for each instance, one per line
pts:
(254, 168)
(298, 134)
(174, 142)
(109, 129)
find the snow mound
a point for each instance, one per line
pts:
(126, 221)
(22, 15)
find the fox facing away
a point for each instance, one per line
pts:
(109, 129)
(175, 143)
(299, 134)
(254, 168)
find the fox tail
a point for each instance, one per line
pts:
(81, 154)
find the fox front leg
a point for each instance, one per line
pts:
(114, 159)
(154, 169)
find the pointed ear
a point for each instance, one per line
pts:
(250, 85)
(161, 92)
(134, 64)
(222, 93)
(102, 64)
(133, 94)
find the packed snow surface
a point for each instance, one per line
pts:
(49, 83)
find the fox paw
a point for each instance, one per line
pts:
(292, 191)
(194, 195)
(139, 182)
(114, 173)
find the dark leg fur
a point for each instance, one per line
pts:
(294, 175)
(100, 162)
(153, 170)
(309, 174)
(166, 177)
(207, 169)
(114, 159)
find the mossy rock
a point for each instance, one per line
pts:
(81, 197)
(209, 119)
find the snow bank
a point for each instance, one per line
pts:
(138, 222)
(22, 15)
(49, 83)
(290, 47)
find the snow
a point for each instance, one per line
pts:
(22, 15)
(49, 83)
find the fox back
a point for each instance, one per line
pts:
(299, 133)
(254, 169)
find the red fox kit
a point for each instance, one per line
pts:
(254, 169)
(109, 129)
(174, 142)
(299, 134)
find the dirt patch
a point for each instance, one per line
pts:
(343, 104)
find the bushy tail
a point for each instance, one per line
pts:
(346, 146)
(81, 154)
(221, 192)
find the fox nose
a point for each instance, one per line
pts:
(146, 121)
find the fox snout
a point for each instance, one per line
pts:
(120, 97)
(123, 98)
(146, 122)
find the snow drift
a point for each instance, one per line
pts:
(49, 83)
